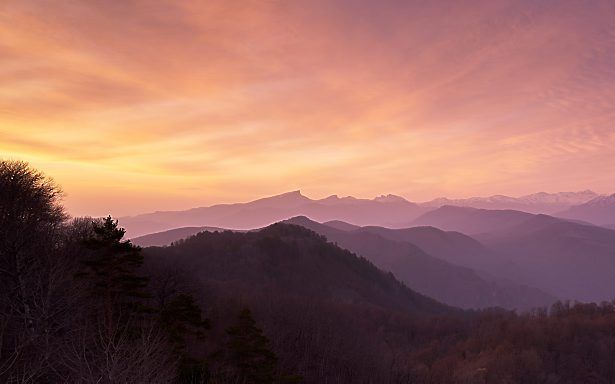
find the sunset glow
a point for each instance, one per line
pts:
(137, 106)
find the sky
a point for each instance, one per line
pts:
(136, 106)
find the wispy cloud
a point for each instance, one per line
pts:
(190, 102)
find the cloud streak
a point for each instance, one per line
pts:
(225, 101)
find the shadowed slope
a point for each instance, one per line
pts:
(453, 247)
(572, 260)
(341, 225)
(449, 283)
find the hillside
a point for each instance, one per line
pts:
(291, 260)
(471, 221)
(159, 239)
(453, 247)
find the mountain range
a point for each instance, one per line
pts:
(462, 256)
(387, 210)
(473, 258)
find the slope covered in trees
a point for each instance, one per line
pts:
(294, 260)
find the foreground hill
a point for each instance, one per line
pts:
(331, 316)
(599, 211)
(293, 260)
(383, 210)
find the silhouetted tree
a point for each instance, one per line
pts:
(111, 269)
(31, 284)
(249, 351)
(182, 319)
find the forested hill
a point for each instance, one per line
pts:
(290, 260)
(331, 316)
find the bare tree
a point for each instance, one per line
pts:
(127, 353)
(30, 218)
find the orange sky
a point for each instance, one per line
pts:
(146, 105)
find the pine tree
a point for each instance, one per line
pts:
(112, 263)
(249, 351)
(181, 318)
(110, 269)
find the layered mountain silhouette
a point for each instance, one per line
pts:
(384, 210)
(599, 211)
(463, 256)
(568, 259)
(443, 273)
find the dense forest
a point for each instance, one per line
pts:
(81, 304)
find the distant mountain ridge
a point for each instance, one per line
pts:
(540, 202)
(386, 210)
(599, 211)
